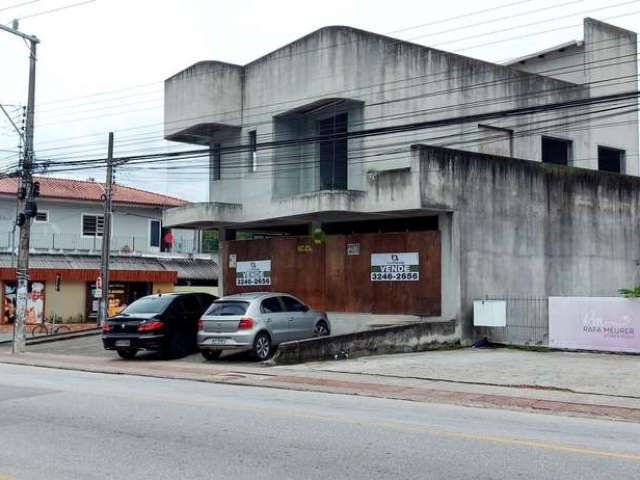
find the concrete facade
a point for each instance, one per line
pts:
(523, 229)
(509, 223)
(380, 81)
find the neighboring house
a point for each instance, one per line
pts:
(298, 145)
(66, 242)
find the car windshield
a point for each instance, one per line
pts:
(151, 304)
(226, 308)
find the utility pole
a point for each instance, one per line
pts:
(26, 195)
(106, 236)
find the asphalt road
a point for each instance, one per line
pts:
(68, 425)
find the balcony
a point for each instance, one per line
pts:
(120, 245)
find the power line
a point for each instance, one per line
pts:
(54, 10)
(414, 126)
(492, 82)
(17, 5)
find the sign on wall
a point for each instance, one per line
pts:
(395, 267)
(595, 323)
(353, 249)
(489, 313)
(257, 272)
(35, 303)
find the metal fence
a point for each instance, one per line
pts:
(71, 242)
(527, 322)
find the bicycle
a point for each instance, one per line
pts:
(51, 328)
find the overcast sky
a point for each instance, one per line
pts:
(101, 65)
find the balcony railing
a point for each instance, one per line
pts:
(120, 244)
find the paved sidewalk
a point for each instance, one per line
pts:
(491, 378)
(593, 373)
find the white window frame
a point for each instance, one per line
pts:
(151, 220)
(35, 219)
(82, 215)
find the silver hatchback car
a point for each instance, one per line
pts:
(257, 322)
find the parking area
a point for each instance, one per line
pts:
(91, 346)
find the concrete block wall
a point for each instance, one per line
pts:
(522, 228)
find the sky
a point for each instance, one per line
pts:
(102, 63)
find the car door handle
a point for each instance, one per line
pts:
(291, 319)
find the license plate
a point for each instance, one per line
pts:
(218, 341)
(123, 343)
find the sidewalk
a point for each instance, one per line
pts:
(560, 383)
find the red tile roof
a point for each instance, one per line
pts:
(84, 190)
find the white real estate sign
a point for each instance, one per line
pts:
(395, 267)
(595, 323)
(257, 272)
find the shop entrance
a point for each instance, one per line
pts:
(121, 294)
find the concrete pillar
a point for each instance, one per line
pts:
(224, 235)
(450, 266)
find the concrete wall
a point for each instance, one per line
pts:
(606, 63)
(207, 92)
(395, 82)
(69, 303)
(530, 229)
(415, 337)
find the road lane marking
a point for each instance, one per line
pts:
(389, 425)
(403, 427)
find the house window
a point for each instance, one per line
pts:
(253, 150)
(610, 159)
(42, 217)
(92, 225)
(154, 233)
(557, 151)
(333, 152)
(216, 157)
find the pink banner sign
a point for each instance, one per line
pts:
(610, 324)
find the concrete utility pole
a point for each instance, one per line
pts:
(26, 195)
(106, 236)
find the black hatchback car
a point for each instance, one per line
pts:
(165, 323)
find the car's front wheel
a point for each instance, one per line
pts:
(211, 354)
(128, 354)
(321, 329)
(262, 346)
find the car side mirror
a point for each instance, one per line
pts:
(305, 308)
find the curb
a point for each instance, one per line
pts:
(63, 336)
(56, 338)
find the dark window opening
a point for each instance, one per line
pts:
(556, 151)
(253, 150)
(216, 160)
(92, 225)
(610, 159)
(409, 224)
(154, 233)
(333, 152)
